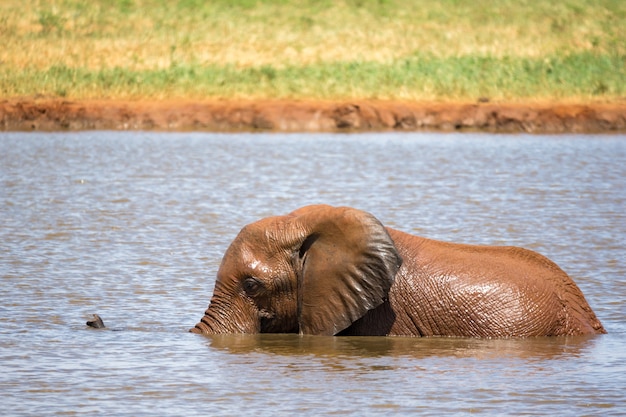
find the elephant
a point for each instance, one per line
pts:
(334, 271)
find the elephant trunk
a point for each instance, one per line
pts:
(226, 316)
(208, 325)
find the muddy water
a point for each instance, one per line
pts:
(132, 226)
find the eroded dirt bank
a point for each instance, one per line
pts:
(308, 116)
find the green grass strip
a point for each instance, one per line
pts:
(574, 76)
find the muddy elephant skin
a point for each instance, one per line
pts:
(326, 270)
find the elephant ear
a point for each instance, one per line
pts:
(347, 265)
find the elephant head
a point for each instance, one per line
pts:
(314, 271)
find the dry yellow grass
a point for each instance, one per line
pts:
(151, 34)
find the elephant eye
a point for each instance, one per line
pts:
(252, 286)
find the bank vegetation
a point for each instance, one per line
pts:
(448, 50)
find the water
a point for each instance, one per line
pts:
(132, 226)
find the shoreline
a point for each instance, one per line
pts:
(303, 115)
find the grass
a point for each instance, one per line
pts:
(418, 50)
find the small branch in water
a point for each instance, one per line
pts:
(96, 323)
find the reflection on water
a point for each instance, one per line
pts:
(291, 344)
(132, 226)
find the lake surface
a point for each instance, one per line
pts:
(132, 226)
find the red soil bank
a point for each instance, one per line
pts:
(46, 114)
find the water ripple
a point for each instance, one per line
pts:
(132, 226)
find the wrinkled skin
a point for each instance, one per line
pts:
(337, 271)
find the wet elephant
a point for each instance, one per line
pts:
(326, 270)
